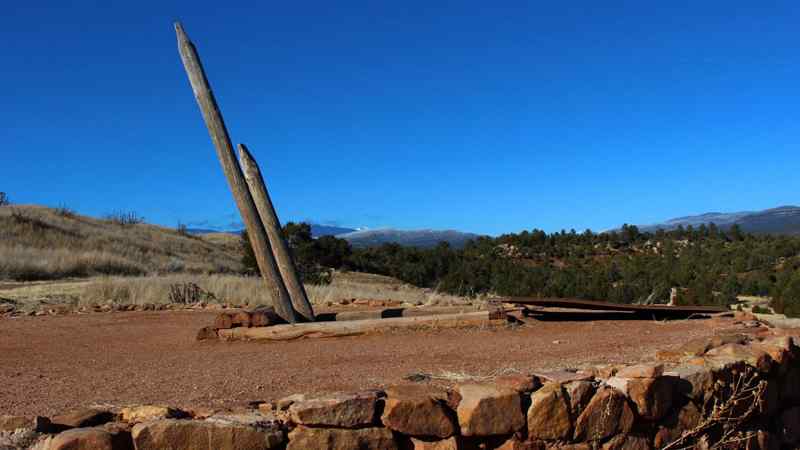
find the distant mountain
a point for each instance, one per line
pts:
(316, 230)
(781, 220)
(411, 238)
(329, 230)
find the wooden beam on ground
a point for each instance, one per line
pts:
(233, 173)
(266, 211)
(355, 327)
(387, 313)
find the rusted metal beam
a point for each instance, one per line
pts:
(574, 303)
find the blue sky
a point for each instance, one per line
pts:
(482, 116)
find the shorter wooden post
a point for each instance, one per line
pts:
(266, 211)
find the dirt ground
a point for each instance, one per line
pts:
(50, 364)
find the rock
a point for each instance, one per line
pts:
(759, 359)
(564, 376)
(514, 443)
(607, 414)
(178, 434)
(143, 413)
(642, 371)
(206, 334)
(519, 383)
(549, 414)
(790, 426)
(579, 393)
(693, 381)
(790, 389)
(418, 411)
(651, 396)
(284, 403)
(91, 439)
(447, 444)
(675, 424)
(627, 442)
(84, 417)
(35, 423)
(305, 438)
(486, 410)
(337, 410)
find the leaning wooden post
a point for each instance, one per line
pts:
(222, 142)
(258, 190)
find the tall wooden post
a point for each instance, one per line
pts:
(247, 209)
(258, 190)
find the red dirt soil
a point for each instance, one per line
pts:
(51, 364)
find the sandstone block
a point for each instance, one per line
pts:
(84, 417)
(549, 414)
(519, 383)
(177, 434)
(579, 393)
(418, 411)
(446, 444)
(35, 423)
(143, 413)
(627, 442)
(642, 371)
(346, 410)
(487, 410)
(607, 414)
(651, 396)
(305, 438)
(91, 439)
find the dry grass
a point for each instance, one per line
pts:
(38, 243)
(223, 288)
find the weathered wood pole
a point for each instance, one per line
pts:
(258, 190)
(247, 209)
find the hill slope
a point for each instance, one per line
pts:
(44, 243)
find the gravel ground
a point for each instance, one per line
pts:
(51, 364)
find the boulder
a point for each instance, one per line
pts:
(84, 417)
(91, 439)
(515, 443)
(346, 410)
(549, 414)
(651, 396)
(143, 413)
(178, 434)
(607, 414)
(305, 438)
(418, 411)
(486, 410)
(790, 388)
(564, 376)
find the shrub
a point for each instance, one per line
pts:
(4, 201)
(124, 218)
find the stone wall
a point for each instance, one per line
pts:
(730, 391)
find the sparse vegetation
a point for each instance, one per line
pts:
(124, 218)
(38, 243)
(4, 201)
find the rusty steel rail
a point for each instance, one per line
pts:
(574, 303)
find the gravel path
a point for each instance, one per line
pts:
(50, 364)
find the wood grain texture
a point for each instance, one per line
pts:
(272, 225)
(355, 327)
(233, 173)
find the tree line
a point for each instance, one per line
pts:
(706, 265)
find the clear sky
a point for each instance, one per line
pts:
(481, 116)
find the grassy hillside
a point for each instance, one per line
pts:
(39, 243)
